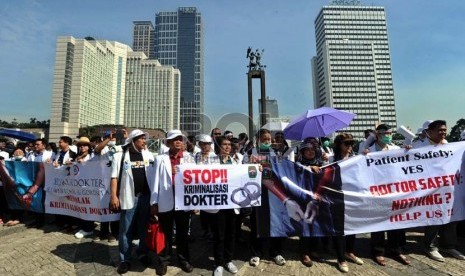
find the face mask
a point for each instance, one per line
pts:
(111, 143)
(326, 144)
(386, 139)
(18, 157)
(265, 146)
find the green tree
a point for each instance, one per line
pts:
(454, 134)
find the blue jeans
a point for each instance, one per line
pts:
(139, 215)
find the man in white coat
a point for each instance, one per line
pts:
(435, 133)
(130, 175)
(162, 201)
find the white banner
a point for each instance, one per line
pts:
(211, 187)
(79, 190)
(403, 188)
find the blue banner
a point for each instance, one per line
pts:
(23, 175)
(299, 202)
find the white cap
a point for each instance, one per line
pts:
(135, 133)
(462, 136)
(426, 124)
(174, 133)
(204, 138)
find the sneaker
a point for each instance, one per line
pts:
(231, 268)
(254, 261)
(343, 267)
(82, 234)
(454, 253)
(435, 255)
(279, 260)
(218, 271)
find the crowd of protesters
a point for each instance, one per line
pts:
(141, 195)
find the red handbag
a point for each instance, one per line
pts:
(155, 237)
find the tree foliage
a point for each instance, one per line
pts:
(33, 123)
(454, 134)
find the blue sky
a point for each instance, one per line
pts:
(425, 37)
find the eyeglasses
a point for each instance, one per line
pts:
(217, 133)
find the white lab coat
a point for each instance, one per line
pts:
(126, 193)
(161, 186)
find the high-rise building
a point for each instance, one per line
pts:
(88, 86)
(271, 106)
(179, 43)
(97, 81)
(352, 68)
(144, 38)
(152, 94)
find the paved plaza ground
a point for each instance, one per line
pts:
(47, 251)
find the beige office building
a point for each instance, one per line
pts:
(152, 93)
(91, 82)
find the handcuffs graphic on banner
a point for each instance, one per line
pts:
(245, 196)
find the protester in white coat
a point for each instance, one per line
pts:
(445, 235)
(162, 201)
(130, 175)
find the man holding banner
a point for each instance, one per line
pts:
(162, 202)
(435, 135)
(130, 193)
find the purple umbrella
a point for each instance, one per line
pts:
(318, 123)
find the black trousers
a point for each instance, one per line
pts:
(394, 238)
(106, 227)
(205, 221)
(3, 205)
(86, 225)
(167, 220)
(224, 227)
(447, 236)
(256, 243)
(308, 245)
(343, 244)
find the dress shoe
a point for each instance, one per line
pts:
(435, 255)
(343, 267)
(306, 261)
(454, 253)
(186, 266)
(123, 267)
(353, 258)
(144, 260)
(161, 269)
